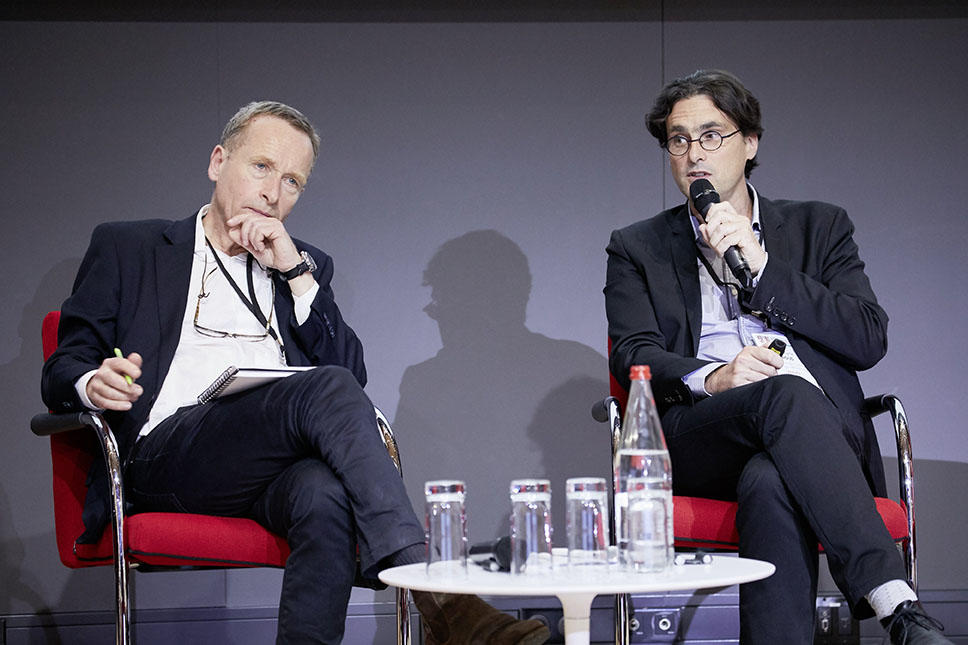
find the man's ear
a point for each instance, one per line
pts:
(219, 154)
(752, 145)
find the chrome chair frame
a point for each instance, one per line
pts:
(47, 424)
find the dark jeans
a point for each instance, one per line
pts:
(778, 447)
(303, 457)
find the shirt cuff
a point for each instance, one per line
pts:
(756, 278)
(80, 386)
(303, 304)
(696, 381)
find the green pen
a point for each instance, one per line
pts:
(117, 352)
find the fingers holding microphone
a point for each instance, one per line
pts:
(725, 229)
(728, 232)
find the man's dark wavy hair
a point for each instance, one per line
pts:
(726, 92)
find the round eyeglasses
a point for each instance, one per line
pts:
(710, 140)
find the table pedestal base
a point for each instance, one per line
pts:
(577, 609)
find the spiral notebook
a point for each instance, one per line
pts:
(238, 379)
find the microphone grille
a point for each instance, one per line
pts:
(703, 195)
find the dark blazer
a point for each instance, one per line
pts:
(813, 289)
(131, 291)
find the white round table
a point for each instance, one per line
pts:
(576, 588)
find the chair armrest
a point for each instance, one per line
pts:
(46, 424)
(609, 410)
(51, 424)
(905, 464)
(890, 403)
(389, 441)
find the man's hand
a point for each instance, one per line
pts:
(266, 238)
(108, 388)
(725, 227)
(752, 364)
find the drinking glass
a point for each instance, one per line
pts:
(531, 552)
(446, 528)
(586, 509)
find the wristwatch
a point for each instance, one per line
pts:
(307, 264)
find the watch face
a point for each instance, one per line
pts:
(308, 259)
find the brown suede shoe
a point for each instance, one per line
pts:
(451, 619)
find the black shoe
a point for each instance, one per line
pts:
(909, 625)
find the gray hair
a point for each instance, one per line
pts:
(236, 125)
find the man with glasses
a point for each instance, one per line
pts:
(783, 435)
(302, 455)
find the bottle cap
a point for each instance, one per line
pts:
(640, 373)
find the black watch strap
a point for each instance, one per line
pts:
(307, 264)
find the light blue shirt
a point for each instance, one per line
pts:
(725, 329)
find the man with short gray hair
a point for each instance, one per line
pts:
(301, 455)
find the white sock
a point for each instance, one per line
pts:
(886, 597)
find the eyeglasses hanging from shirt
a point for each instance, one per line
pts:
(252, 305)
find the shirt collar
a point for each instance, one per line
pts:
(200, 230)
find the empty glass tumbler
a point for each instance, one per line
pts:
(586, 509)
(446, 528)
(531, 527)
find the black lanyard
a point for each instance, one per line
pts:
(252, 305)
(733, 286)
(732, 289)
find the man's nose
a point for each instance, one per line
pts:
(695, 152)
(270, 189)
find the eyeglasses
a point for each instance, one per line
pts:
(709, 141)
(215, 333)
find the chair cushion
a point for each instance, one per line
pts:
(711, 524)
(183, 539)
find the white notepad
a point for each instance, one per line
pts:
(238, 379)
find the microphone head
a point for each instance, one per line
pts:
(703, 195)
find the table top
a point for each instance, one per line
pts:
(723, 571)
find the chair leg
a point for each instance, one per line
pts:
(112, 460)
(403, 616)
(623, 618)
(122, 621)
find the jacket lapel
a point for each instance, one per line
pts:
(173, 267)
(683, 248)
(771, 228)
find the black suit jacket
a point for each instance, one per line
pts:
(131, 292)
(813, 289)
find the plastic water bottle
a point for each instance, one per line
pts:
(643, 483)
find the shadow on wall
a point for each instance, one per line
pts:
(20, 586)
(32, 578)
(25, 494)
(941, 513)
(498, 401)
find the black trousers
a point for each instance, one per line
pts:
(303, 457)
(778, 446)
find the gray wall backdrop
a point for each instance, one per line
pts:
(469, 178)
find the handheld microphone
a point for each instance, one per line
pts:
(703, 195)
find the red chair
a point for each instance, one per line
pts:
(710, 524)
(150, 540)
